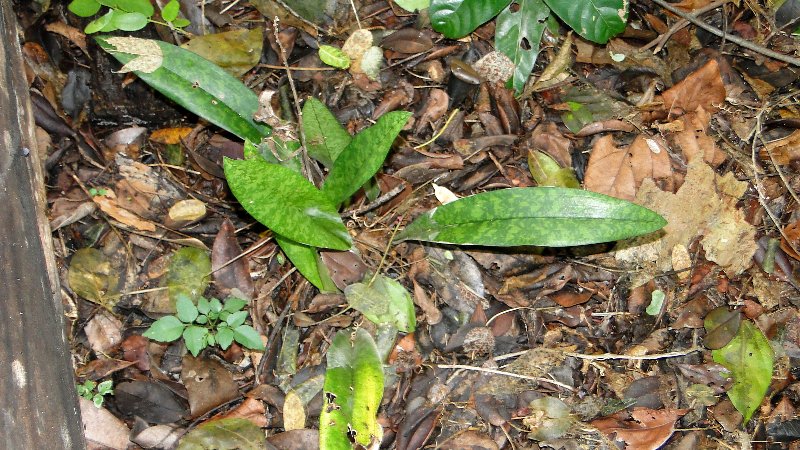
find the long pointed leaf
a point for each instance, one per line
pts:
(353, 391)
(363, 156)
(199, 86)
(547, 216)
(518, 36)
(287, 203)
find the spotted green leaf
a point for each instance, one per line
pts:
(325, 136)
(363, 156)
(334, 57)
(353, 390)
(287, 203)
(518, 35)
(547, 216)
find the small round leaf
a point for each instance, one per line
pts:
(165, 329)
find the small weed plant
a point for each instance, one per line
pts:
(207, 323)
(126, 15)
(91, 390)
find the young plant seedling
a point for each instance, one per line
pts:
(126, 15)
(91, 390)
(205, 324)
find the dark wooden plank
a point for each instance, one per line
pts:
(39, 402)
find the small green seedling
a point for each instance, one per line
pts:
(207, 323)
(94, 192)
(90, 390)
(126, 15)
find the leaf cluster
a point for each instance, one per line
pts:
(207, 323)
(125, 15)
(96, 392)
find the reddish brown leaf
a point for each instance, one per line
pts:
(704, 87)
(208, 383)
(230, 274)
(648, 430)
(619, 171)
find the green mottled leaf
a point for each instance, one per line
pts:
(749, 358)
(325, 136)
(133, 21)
(171, 10)
(287, 203)
(413, 5)
(595, 20)
(363, 156)
(84, 8)
(334, 57)
(552, 217)
(187, 274)
(186, 310)
(384, 300)
(458, 18)
(165, 329)
(518, 35)
(195, 338)
(306, 259)
(546, 171)
(229, 433)
(201, 87)
(353, 390)
(248, 336)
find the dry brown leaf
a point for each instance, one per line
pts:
(705, 205)
(75, 35)
(108, 204)
(104, 332)
(619, 172)
(784, 150)
(170, 136)
(101, 428)
(648, 431)
(208, 383)
(703, 87)
(230, 271)
(294, 412)
(250, 409)
(694, 141)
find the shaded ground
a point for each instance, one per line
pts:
(592, 347)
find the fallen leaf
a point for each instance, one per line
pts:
(108, 204)
(229, 269)
(705, 205)
(151, 401)
(102, 428)
(702, 88)
(648, 430)
(229, 433)
(236, 51)
(294, 412)
(148, 53)
(170, 136)
(208, 383)
(187, 210)
(93, 276)
(694, 140)
(104, 331)
(619, 172)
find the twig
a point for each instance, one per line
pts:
(606, 356)
(378, 202)
(507, 374)
(735, 39)
(677, 26)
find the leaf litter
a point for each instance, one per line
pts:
(510, 348)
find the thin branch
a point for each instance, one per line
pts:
(507, 374)
(735, 39)
(606, 356)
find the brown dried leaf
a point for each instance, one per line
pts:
(104, 332)
(703, 87)
(619, 172)
(102, 428)
(648, 430)
(208, 383)
(693, 140)
(229, 275)
(705, 205)
(108, 204)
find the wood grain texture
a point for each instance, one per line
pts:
(40, 408)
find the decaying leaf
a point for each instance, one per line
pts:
(619, 171)
(148, 53)
(648, 430)
(702, 88)
(705, 205)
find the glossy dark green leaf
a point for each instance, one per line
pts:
(749, 358)
(383, 300)
(548, 216)
(229, 433)
(363, 156)
(306, 259)
(201, 87)
(595, 20)
(287, 203)
(722, 325)
(353, 390)
(325, 136)
(458, 18)
(518, 35)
